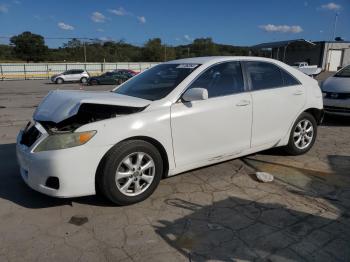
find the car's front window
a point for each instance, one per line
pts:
(345, 72)
(157, 82)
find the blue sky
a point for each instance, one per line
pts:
(238, 22)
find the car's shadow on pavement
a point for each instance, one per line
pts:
(14, 189)
(309, 223)
(239, 229)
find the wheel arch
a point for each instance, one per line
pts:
(316, 113)
(150, 140)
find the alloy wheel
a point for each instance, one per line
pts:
(135, 174)
(303, 134)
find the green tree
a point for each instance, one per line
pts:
(153, 50)
(29, 47)
(204, 47)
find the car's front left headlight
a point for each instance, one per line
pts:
(66, 140)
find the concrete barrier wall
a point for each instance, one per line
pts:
(19, 71)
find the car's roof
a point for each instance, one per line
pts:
(215, 59)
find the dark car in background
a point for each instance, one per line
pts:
(110, 78)
(127, 71)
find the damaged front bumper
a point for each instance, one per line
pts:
(60, 173)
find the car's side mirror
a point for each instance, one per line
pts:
(195, 94)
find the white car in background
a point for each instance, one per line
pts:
(310, 70)
(73, 75)
(336, 93)
(172, 118)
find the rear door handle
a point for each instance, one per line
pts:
(298, 93)
(243, 103)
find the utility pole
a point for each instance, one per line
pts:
(165, 53)
(84, 51)
(331, 45)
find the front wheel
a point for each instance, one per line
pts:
(303, 135)
(59, 81)
(131, 172)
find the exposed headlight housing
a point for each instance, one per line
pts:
(66, 140)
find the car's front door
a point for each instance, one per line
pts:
(212, 129)
(106, 78)
(277, 100)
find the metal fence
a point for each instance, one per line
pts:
(46, 70)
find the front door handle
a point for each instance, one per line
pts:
(243, 103)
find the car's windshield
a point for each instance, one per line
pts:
(157, 82)
(345, 72)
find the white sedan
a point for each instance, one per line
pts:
(174, 117)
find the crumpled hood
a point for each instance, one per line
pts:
(336, 85)
(59, 105)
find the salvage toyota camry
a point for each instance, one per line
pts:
(173, 117)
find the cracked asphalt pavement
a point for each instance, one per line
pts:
(217, 213)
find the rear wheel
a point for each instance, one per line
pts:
(303, 135)
(83, 80)
(131, 172)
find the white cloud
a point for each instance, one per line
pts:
(65, 26)
(119, 12)
(141, 19)
(281, 28)
(100, 30)
(98, 17)
(331, 6)
(105, 39)
(16, 2)
(3, 8)
(188, 38)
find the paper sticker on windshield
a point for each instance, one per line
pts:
(189, 66)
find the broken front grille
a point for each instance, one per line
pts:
(29, 136)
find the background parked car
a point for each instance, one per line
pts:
(310, 70)
(336, 93)
(73, 75)
(110, 78)
(127, 71)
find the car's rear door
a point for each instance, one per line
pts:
(212, 129)
(277, 97)
(76, 75)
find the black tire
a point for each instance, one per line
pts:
(292, 148)
(83, 80)
(106, 180)
(94, 82)
(59, 81)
